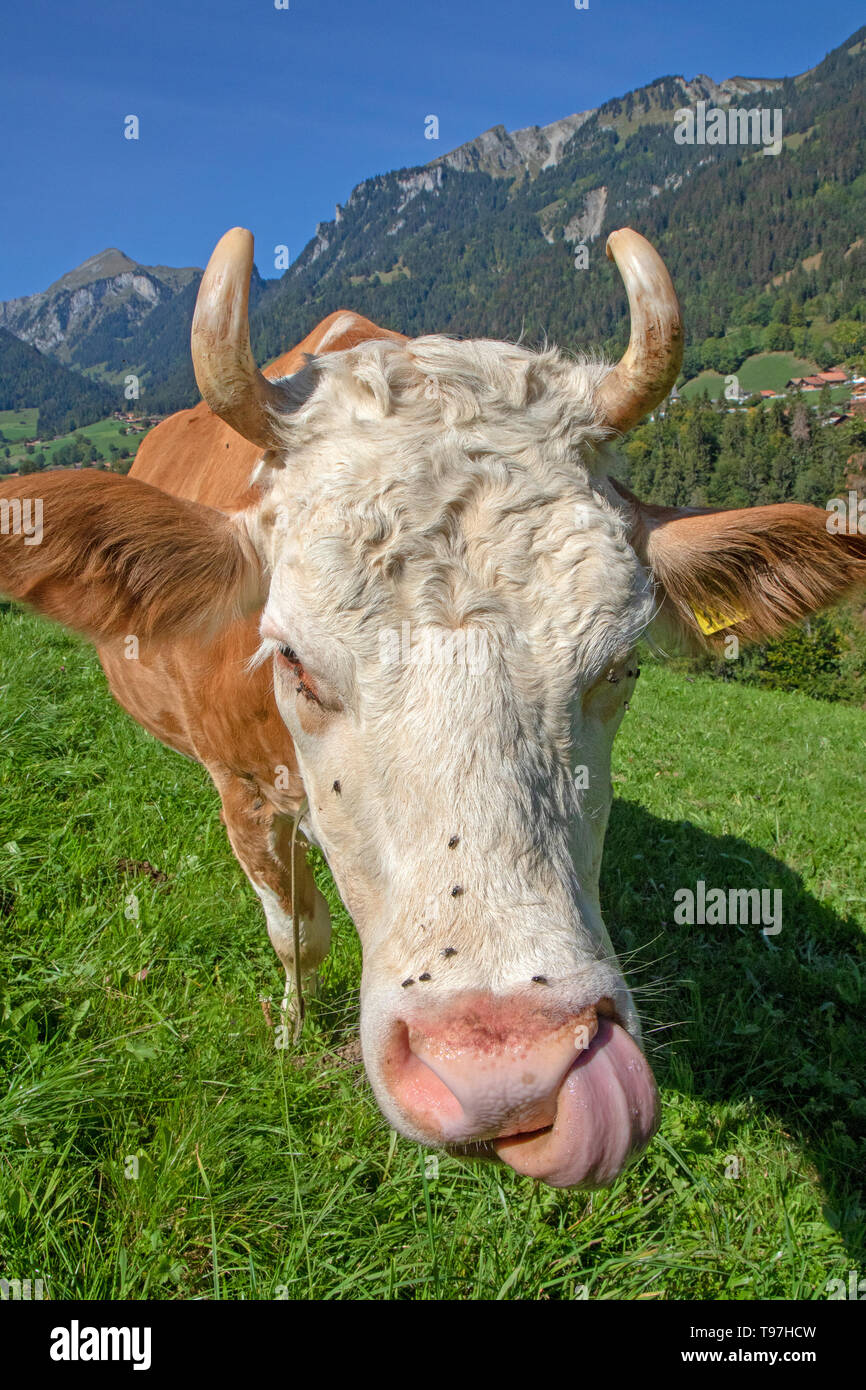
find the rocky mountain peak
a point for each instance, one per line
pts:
(502, 153)
(103, 266)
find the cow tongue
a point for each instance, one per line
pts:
(607, 1110)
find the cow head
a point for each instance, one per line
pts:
(452, 614)
(453, 591)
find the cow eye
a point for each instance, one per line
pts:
(303, 683)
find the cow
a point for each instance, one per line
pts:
(285, 587)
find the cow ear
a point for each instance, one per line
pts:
(111, 556)
(751, 571)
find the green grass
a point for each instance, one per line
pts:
(102, 434)
(763, 371)
(18, 424)
(270, 1173)
(711, 382)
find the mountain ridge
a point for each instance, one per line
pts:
(481, 240)
(498, 151)
(108, 285)
(436, 248)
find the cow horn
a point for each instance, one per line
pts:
(222, 359)
(651, 363)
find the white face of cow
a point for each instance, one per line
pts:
(453, 611)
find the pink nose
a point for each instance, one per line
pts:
(564, 1099)
(489, 1069)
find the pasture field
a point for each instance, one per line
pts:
(763, 371)
(18, 424)
(102, 434)
(154, 1143)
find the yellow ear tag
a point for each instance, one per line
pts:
(710, 620)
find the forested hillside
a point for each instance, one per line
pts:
(65, 398)
(701, 455)
(443, 250)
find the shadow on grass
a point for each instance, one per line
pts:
(775, 1021)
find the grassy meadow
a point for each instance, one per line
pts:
(154, 1143)
(763, 371)
(18, 425)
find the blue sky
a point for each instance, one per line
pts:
(267, 117)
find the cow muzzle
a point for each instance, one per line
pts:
(565, 1099)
